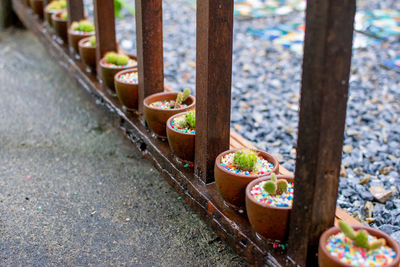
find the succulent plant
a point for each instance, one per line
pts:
(92, 41)
(245, 159)
(191, 119)
(116, 58)
(275, 186)
(360, 238)
(181, 122)
(64, 15)
(57, 5)
(181, 97)
(83, 26)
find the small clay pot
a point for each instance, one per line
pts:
(127, 92)
(75, 37)
(60, 26)
(157, 118)
(108, 73)
(88, 54)
(37, 7)
(47, 15)
(325, 259)
(181, 144)
(232, 186)
(268, 221)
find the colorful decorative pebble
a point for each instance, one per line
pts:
(283, 200)
(344, 249)
(131, 63)
(164, 105)
(182, 130)
(82, 32)
(130, 77)
(263, 165)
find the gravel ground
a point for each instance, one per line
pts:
(265, 75)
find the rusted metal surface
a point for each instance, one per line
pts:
(149, 38)
(104, 21)
(324, 93)
(75, 11)
(213, 83)
(203, 198)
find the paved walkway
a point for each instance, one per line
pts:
(73, 190)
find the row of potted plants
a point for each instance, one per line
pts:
(247, 180)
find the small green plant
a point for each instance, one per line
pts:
(92, 41)
(245, 159)
(116, 58)
(187, 121)
(119, 5)
(275, 186)
(360, 238)
(180, 98)
(83, 26)
(64, 15)
(57, 5)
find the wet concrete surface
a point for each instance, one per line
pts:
(73, 190)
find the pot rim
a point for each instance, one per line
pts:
(218, 164)
(266, 178)
(132, 69)
(376, 232)
(166, 110)
(55, 16)
(173, 117)
(121, 68)
(86, 34)
(84, 40)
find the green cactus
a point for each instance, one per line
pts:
(57, 5)
(93, 41)
(191, 119)
(181, 97)
(360, 238)
(245, 159)
(116, 58)
(181, 122)
(86, 26)
(275, 186)
(75, 26)
(64, 15)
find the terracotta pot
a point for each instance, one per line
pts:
(88, 54)
(181, 144)
(127, 92)
(60, 26)
(47, 15)
(157, 118)
(268, 221)
(108, 73)
(325, 259)
(75, 37)
(232, 186)
(37, 7)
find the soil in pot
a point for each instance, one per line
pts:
(52, 8)
(158, 108)
(60, 25)
(181, 133)
(357, 246)
(269, 212)
(37, 7)
(78, 31)
(111, 64)
(87, 52)
(127, 86)
(231, 180)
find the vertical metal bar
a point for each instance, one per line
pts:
(213, 83)
(104, 21)
(324, 93)
(149, 38)
(75, 11)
